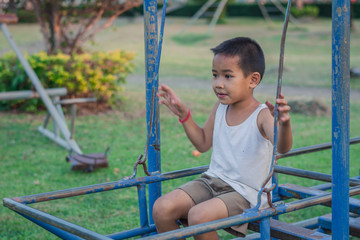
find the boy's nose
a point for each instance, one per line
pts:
(219, 83)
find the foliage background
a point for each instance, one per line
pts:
(100, 74)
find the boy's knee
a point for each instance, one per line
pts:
(162, 207)
(156, 208)
(197, 216)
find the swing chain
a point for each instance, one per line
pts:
(278, 92)
(140, 161)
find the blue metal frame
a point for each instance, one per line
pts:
(67, 230)
(340, 149)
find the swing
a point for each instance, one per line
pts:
(78, 160)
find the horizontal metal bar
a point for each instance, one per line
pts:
(248, 216)
(314, 148)
(326, 222)
(54, 230)
(74, 101)
(28, 94)
(294, 191)
(310, 174)
(108, 186)
(327, 186)
(133, 232)
(54, 221)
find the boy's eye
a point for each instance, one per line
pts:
(214, 75)
(228, 76)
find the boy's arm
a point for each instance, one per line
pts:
(201, 137)
(285, 138)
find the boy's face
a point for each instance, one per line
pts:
(229, 83)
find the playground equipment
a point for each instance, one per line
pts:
(78, 160)
(259, 220)
(202, 10)
(265, 11)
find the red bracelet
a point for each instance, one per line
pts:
(186, 118)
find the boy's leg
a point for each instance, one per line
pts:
(207, 211)
(171, 207)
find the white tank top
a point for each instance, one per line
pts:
(241, 155)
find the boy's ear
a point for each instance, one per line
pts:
(255, 79)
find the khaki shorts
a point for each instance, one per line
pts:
(206, 187)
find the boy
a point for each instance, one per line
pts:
(240, 130)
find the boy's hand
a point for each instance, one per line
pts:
(168, 98)
(283, 109)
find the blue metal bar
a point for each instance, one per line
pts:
(54, 221)
(54, 230)
(311, 174)
(71, 192)
(144, 220)
(340, 117)
(265, 228)
(314, 148)
(133, 232)
(294, 191)
(151, 45)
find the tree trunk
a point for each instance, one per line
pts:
(67, 28)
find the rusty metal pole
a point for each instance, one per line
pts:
(340, 117)
(151, 51)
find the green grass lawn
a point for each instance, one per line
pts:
(32, 164)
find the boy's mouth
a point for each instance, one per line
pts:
(221, 95)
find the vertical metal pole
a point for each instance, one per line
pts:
(340, 117)
(144, 220)
(265, 228)
(151, 43)
(275, 192)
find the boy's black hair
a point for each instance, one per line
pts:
(251, 56)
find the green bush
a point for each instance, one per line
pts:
(307, 10)
(98, 74)
(26, 16)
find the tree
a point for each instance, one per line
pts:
(67, 24)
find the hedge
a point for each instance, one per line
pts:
(98, 74)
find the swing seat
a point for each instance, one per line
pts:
(8, 18)
(88, 162)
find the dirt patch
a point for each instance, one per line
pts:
(310, 108)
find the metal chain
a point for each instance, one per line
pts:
(275, 157)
